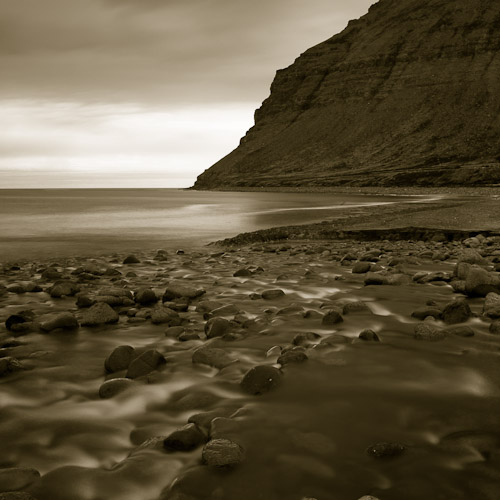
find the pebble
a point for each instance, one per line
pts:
(99, 314)
(186, 438)
(222, 453)
(145, 363)
(120, 358)
(112, 387)
(261, 379)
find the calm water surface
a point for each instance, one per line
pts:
(45, 222)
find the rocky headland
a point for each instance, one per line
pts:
(406, 95)
(355, 363)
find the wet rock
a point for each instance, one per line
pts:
(372, 278)
(16, 288)
(17, 478)
(186, 336)
(64, 321)
(9, 365)
(332, 318)
(174, 331)
(333, 340)
(479, 282)
(146, 363)
(273, 294)
(164, 315)
(495, 328)
(385, 450)
(295, 355)
(111, 271)
(206, 306)
(255, 296)
(211, 356)
(398, 279)
(226, 310)
(425, 312)
(186, 438)
(179, 305)
(112, 387)
(161, 255)
(491, 307)
(305, 338)
(222, 453)
(369, 335)
(176, 290)
(460, 331)
(83, 300)
(204, 419)
(470, 256)
(217, 327)
(131, 259)
(120, 358)
(356, 307)
(112, 300)
(457, 311)
(361, 267)
(17, 495)
(19, 318)
(242, 273)
(261, 379)
(99, 314)
(426, 331)
(145, 296)
(51, 274)
(63, 289)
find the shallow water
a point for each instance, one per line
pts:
(306, 439)
(41, 223)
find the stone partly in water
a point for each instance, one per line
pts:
(222, 453)
(457, 311)
(112, 387)
(9, 365)
(217, 327)
(120, 358)
(429, 332)
(176, 290)
(212, 356)
(369, 335)
(145, 296)
(491, 307)
(332, 318)
(161, 315)
(295, 355)
(131, 259)
(146, 363)
(99, 314)
(63, 321)
(261, 379)
(273, 294)
(186, 438)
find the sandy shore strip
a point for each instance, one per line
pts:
(290, 369)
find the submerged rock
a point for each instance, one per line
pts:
(261, 379)
(186, 438)
(211, 356)
(276, 293)
(9, 365)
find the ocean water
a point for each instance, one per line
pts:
(41, 223)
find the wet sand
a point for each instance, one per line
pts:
(276, 370)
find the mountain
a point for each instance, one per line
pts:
(408, 94)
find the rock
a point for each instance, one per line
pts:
(161, 255)
(425, 312)
(186, 438)
(17, 478)
(222, 453)
(398, 279)
(17, 495)
(242, 273)
(9, 365)
(273, 294)
(479, 282)
(361, 267)
(51, 274)
(145, 296)
(19, 318)
(372, 278)
(63, 288)
(99, 314)
(83, 300)
(495, 328)
(211, 356)
(206, 306)
(112, 387)
(292, 356)
(204, 419)
(131, 259)
(112, 300)
(64, 321)
(426, 331)
(164, 315)
(120, 358)
(146, 363)
(186, 336)
(16, 288)
(176, 290)
(470, 256)
(356, 307)
(305, 338)
(385, 450)
(369, 335)
(460, 331)
(491, 306)
(174, 331)
(217, 327)
(457, 311)
(261, 379)
(332, 318)
(333, 340)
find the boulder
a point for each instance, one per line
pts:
(217, 327)
(99, 314)
(261, 379)
(64, 321)
(120, 358)
(491, 307)
(176, 290)
(457, 311)
(146, 363)
(186, 438)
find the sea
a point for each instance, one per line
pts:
(45, 223)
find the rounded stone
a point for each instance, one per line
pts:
(112, 387)
(495, 328)
(146, 363)
(425, 331)
(457, 311)
(99, 314)
(64, 321)
(292, 356)
(261, 379)
(131, 259)
(273, 294)
(222, 453)
(332, 318)
(16, 478)
(145, 296)
(120, 358)
(369, 335)
(217, 327)
(186, 438)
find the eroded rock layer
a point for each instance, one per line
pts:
(409, 94)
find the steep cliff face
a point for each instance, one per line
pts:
(409, 94)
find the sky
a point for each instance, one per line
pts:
(142, 93)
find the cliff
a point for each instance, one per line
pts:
(409, 94)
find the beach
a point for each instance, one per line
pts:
(314, 361)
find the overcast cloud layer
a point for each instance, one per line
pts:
(80, 78)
